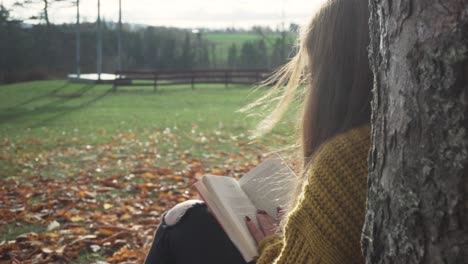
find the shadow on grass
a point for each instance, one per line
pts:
(55, 106)
(31, 100)
(76, 94)
(171, 89)
(72, 109)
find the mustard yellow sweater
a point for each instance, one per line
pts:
(325, 225)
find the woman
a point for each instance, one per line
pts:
(324, 222)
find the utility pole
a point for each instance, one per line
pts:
(78, 70)
(283, 16)
(283, 31)
(120, 37)
(99, 42)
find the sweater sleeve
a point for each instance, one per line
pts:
(326, 223)
(270, 248)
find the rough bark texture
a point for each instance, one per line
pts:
(418, 182)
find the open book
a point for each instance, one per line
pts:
(267, 186)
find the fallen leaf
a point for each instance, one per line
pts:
(95, 248)
(53, 225)
(77, 219)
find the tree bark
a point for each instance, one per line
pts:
(418, 183)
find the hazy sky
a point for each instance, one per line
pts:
(185, 13)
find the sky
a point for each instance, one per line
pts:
(183, 13)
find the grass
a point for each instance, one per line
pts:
(224, 41)
(53, 133)
(13, 230)
(51, 116)
(238, 37)
(59, 109)
(87, 257)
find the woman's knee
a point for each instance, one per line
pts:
(178, 212)
(169, 230)
(188, 221)
(189, 233)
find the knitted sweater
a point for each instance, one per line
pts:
(325, 225)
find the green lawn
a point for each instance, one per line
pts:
(238, 37)
(32, 108)
(101, 163)
(224, 41)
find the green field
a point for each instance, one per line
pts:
(223, 41)
(106, 162)
(57, 107)
(237, 37)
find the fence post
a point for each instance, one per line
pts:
(155, 84)
(114, 83)
(226, 79)
(192, 80)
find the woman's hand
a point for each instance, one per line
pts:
(267, 225)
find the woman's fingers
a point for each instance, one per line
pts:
(279, 213)
(267, 223)
(271, 221)
(254, 231)
(267, 226)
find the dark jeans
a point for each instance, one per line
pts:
(195, 238)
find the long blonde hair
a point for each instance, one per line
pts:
(332, 64)
(330, 73)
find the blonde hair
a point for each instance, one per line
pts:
(284, 84)
(332, 58)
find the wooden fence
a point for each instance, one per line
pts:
(192, 77)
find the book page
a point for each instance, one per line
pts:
(230, 197)
(270, 185)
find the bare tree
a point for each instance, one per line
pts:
(44, 13)
(418, 182)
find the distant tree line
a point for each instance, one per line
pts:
(42, 51)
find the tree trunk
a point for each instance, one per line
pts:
(418, 182)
